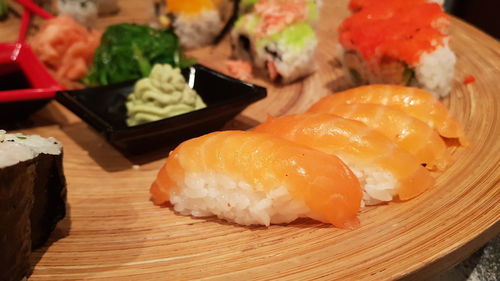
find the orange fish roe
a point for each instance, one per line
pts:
(277, 14)
(395, 30)
(356, 5)
(191, 6)
(469, 79)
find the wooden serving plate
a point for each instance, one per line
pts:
(113, 231)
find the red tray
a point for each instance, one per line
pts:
(19, 57)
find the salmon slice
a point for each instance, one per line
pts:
(415, 102)
(383, 168)
(265, 162)
(408, 132)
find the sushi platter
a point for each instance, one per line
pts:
(112, 230)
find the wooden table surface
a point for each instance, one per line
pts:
(113, 231)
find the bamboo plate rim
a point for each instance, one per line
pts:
(114, 232)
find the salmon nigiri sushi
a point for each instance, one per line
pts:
(415, 102)
(384, 170)
(408, 132)
(257, 179)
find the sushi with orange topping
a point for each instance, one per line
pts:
(403, 42)
(253, 178)
(279, 39)
(197, 23)
(385, 171)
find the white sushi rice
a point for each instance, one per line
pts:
(435, 71)
(293, 64)
(15, 148)
(208, 194)
(214, 194)
(199, 31)
(83, 11)
(378, 185)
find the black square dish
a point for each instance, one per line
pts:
(104, 109)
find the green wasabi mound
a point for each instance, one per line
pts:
(163, 94)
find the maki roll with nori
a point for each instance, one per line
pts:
(49, 189)
(403, 42)
(32, 198)
(17, 176)
(278, 37)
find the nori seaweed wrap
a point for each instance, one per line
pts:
(16, 201)
(50, 198)
(32, 199)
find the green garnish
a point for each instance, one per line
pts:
(21, 138)
(4, 9)
(164, 93)
(128, 52)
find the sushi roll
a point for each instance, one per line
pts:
(257, 179)
(197, 23)
(278, 39)
(32, 198)
(17, 174)
(313, 6)
(398, 42)
(83, 11)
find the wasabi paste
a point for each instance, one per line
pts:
(163, 94)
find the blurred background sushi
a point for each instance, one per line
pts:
(398, 42)
(196, 22)
(278, 38)
(86, 11)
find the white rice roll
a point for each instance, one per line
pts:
(312, 7)
(284, 56)
(83, 11)
(402, 43)
(434, 72)
(32, 198)
(199, 23)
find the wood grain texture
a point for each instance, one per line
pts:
(113, 231)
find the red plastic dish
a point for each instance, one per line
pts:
(19, 57)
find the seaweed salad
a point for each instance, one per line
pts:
(129, 51)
